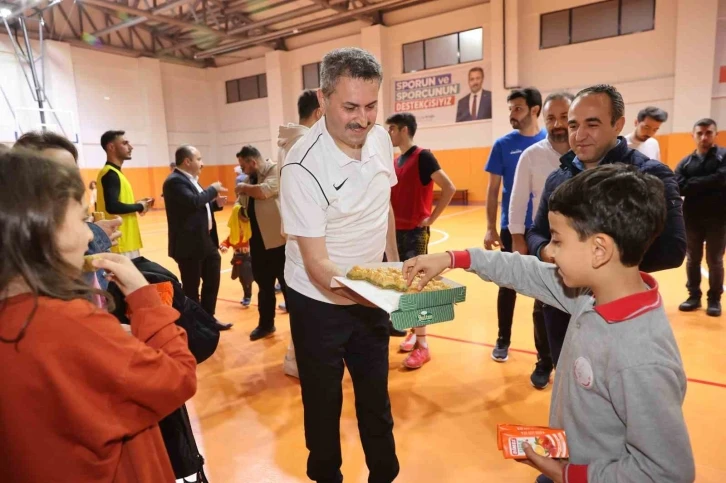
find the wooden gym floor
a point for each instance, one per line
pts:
(248, 415)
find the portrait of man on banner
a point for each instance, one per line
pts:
(477, 104)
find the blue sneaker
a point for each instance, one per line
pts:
(282, 307)
(246, 302)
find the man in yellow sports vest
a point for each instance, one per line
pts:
(115, 195)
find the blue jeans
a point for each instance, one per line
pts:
(543, 479)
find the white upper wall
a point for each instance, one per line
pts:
(18, 102)
(120, 93)
(718, 103)
(641, 65)
(190, 110)
(634, 57)
(163, 105)
(461, 135)
(239, 123)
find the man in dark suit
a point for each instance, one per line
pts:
(478, 103)
(193, 239)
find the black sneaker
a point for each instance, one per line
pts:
(394, 332)
(693, 303)
(540, 377)
(260, 333)
(500, 353)
(222, 325)
(714, 308)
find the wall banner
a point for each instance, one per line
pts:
(444, 96)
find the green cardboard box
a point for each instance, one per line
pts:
(407, 319)
(409, 309)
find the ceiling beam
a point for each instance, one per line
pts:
(141, 39)
(163, 19)
(340, 9)
(292, 14)
(152, 30)
(69, 24)
(138, 20)
(306, 26)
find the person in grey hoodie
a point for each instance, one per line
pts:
(309, 112)
(620, 383)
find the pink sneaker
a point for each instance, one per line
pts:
(409, 342)
(417, 358)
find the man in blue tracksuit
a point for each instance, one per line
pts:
(594, 123)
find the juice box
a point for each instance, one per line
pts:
(548, 442)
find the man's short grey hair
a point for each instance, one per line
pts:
(348, 62)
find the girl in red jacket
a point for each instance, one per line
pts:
(81, 398)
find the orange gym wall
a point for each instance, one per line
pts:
(465, 167)
(148, 182)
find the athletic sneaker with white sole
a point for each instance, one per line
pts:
(500, 353)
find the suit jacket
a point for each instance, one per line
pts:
(186, 216)
(463, 109)
(267, 210)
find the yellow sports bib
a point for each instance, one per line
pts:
(130, 235)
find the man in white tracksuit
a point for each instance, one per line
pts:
(535, 165)
(309, 112)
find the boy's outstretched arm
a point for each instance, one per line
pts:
(524, 274)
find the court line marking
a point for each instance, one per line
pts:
(441, 240)
(462, 212)
(523, 351)
(704, 272)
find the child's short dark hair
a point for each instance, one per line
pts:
(404, 119)
(617, 200)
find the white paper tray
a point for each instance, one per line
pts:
(387, 300)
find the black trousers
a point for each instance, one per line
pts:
(327, 338)
(506, 300)
(713, 233)
(205, 270)
(267, 266)
(242, 269)
(412, 243)
(544, 356)
(556, 323)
